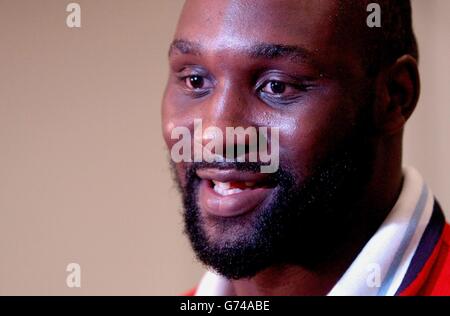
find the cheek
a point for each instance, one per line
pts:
(167, 128)
(171, 117)
(312, 134)
(166, 123)
(300, 147)
(181, 174)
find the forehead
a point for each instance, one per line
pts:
(222, 24)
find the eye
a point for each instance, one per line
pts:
(195, 82)
(279, 88)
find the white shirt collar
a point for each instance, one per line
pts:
(381, 265)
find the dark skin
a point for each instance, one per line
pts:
(307, 89)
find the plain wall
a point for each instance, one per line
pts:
(84, 173)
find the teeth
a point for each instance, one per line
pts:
(224, 188)
(223, 185)
(226, 192)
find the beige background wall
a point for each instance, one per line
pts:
(83, 171)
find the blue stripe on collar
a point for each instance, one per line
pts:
(428, 242)
(409, 233)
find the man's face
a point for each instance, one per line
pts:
(275, 64)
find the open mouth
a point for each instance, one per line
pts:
(228, 193)
(229, 188)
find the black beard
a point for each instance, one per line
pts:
(305, 224)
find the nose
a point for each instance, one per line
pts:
(227, 115)
(226, 107)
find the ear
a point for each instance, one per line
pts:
(400, 91)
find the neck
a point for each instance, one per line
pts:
(378, 199)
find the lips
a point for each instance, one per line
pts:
(230, 193)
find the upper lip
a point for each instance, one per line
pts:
(232, 175)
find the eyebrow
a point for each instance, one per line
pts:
(185, 47)
(260, 50)
(274, 51)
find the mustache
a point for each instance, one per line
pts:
(191, 169)
(281, 176)
(240, 166)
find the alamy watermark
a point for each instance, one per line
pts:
(73, 19)
(73, 279)
(374, 18)
(262, 146)
(373, 279)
